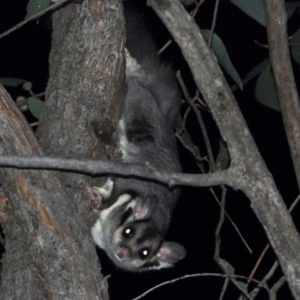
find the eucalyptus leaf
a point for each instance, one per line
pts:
(243, 286)
(229, 267)
(35, 106)
(12, 82)
(265, 89)
(253, 8)
(223, 57)
(223, 157)
(35, 6)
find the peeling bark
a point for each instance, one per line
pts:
(49, 253)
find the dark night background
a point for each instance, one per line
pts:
(24, 54)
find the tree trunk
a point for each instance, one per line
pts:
(49, 251)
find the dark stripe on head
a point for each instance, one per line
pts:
(127, 214)
(148, 233)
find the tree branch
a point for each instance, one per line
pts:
(284, 77)
(251, 173)
(104, 167)
(33, 17)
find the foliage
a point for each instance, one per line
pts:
(33, 103)
(35, 6)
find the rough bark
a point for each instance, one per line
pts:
(247, 169)
(49, 252)
(86, 82)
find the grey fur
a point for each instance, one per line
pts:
(131, 230)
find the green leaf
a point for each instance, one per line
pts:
(229, 267)
(253, 8)
(13, 82)
(295, 47)
(35, 106)
(223, 157)
(35, 6)
(265, 89)
(231, 272)
(243, 286)
(223, 57)
(187, 2)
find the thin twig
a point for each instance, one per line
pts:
(265, 279)
(294, 204)
(35, 16)
(224, 288)
(40, 95)
(208, 146)
(199, 118)
(192, 276)
(219, 226)
(275, 265)
(221, 262)
(164, 47)
(278, 285)
(232, 222)
(170, 41)
(182, 129)
(201, 103)
(195, 10)
(34, 124)
(198, 161)
(106, 167)
(192, 151)
(262, 255)
(213, 25)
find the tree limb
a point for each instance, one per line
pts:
(251, 173)
(33, 17)
(284, 77)
(109, 168)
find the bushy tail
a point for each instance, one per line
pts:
(155, 76)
